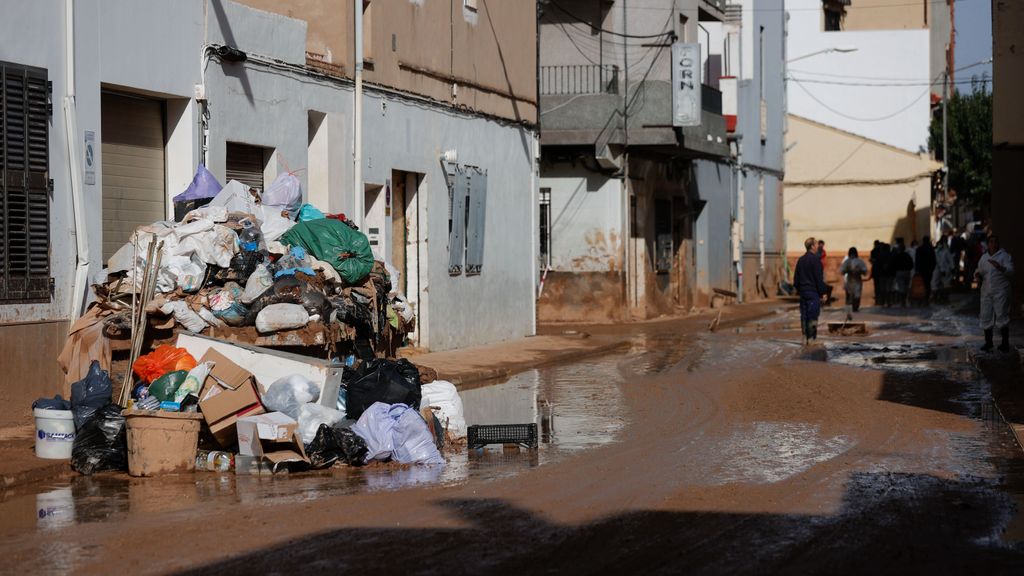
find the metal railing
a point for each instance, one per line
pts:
(711, 99)
(579, 79)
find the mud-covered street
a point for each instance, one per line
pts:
(734, 451)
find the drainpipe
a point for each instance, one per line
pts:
(77, 297)
(357, 119)
(760, 223)
(740, 225)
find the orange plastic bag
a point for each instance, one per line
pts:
(164, 359)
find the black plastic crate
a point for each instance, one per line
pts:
(483, 434)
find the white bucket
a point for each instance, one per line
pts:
(55, 433)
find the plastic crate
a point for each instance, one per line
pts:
(481, 435)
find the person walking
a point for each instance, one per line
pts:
(824, 266)
(902, 267)
(854, 269)
(994, 273)
(809, 282)
(924, 266)
(942, 277)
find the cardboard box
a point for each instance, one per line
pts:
(274, 437)
(228, 394)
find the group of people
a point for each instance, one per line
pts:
(923, 272)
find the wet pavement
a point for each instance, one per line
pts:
(725, 452)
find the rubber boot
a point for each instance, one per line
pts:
(988, 341)
(1004, 332)
(813, 331)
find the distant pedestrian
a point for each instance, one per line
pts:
(854, 269)
(924, 266)
(942, 277)
(823, 255)
(876, 270)
(994, 273)
(902, 267)
(809, 282)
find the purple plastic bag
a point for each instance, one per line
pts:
(204, 185)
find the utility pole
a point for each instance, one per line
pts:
(945, 134)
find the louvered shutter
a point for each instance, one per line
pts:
(25, 111)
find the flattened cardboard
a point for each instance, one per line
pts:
(228, 394)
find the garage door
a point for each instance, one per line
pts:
(133, 167)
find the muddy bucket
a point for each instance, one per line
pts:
(161, 442)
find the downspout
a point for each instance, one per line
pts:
(76, 299)
(740, 222)
(357, 119)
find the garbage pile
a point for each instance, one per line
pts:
(234, 275)
(380, 410)
(249, 266)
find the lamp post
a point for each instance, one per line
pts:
(846, 48)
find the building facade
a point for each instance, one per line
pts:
(1008, 130)
(140, 92)
(870, 87)
(637, 212)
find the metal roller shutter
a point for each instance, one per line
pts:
(134, 192)
(245, 163)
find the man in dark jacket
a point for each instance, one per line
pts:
(924, 266)
(809, 283)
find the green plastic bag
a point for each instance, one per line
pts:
(327, 240)
(164, 387)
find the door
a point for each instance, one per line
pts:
(134, 189)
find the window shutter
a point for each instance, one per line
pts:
(25, 110)
(457, 236)
(477, 220)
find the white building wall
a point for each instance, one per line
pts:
(154, 48)
(829, 88)
(586, 219)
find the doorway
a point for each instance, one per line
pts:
(408, 241)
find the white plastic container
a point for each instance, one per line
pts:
(55, 433)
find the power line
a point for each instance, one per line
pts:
(886, 85)
(611, 32)
(858, 8)
(856, 118)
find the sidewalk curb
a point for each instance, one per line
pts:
(988, 372)
(46, 472)
(476, 376)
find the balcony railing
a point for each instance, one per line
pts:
(579, 79)
(711, 99)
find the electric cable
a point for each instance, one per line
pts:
(860, 119)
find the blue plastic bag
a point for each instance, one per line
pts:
(309, 212)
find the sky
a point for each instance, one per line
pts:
(973, 38)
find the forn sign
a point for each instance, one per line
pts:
(686, 84)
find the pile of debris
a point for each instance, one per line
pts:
(193, 309)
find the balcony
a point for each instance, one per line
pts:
(571, 79)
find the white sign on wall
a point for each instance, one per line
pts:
(686, 80)
(89, 160)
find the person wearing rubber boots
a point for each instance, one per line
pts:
(995, 272)
(809, 283)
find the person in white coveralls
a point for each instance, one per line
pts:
(995, 273)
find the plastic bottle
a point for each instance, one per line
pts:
(215, 461)
(250, 237)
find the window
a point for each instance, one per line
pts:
(368, 35)
(25, 185)
(247, 164)
(545, 228)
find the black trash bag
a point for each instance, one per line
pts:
(336, 444)
(55, 403)
(102, 443)
(352, 313)
(381, 380)
(90, 394)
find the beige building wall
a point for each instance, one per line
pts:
(888, 14)
(483, 59)
(850, 191)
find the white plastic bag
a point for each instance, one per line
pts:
(281, 317)
(236, 198)
(259, 281)
(214, 246)
(288, 394)
(214, 213)
(273, 225)
(184, 316)
(210, 319)
(396, 431)
(194, 381)
(311, 416)
(443, 395)
(285, 193)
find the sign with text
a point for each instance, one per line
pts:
(686, 84)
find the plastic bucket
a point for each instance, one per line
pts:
(161, 442)
(55, 433)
